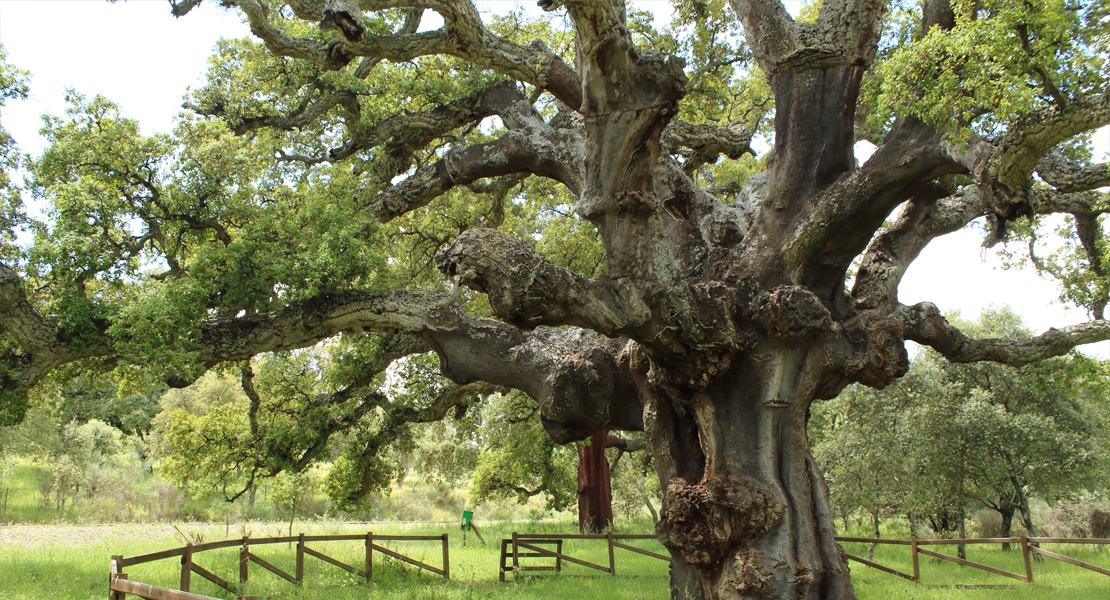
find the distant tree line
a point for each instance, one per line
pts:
(951, 439)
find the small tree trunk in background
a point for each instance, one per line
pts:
(595, 493)
(875, 522)
(961, 549)
(251, 494)
(1007, 512)
(1027, 519)
(292, 515)
(651, 508)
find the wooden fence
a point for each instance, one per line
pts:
(120, 584)
(1028, 549)
(532, 545)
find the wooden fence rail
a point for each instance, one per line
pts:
(533, 544)
(120, 585)
(1029, 547)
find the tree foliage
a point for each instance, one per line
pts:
(980, 435)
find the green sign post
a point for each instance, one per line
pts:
(468, 525)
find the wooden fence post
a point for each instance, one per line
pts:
(913, 554)
(113, 595)
(1028, 563)
(612, 560)
(516, 554)
(244, 561)
(300, 559)
(186, 567)
(446, 559)
(369, 556)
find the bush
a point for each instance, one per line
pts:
(1073, 518)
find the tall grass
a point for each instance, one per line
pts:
(125, 493)
(72, 563)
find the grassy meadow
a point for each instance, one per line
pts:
(48, 554)
(71, 562)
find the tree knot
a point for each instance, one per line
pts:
(881, 351)
(792, 312)
(703, 520)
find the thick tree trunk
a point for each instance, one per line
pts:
(745, 510)
(595, 494)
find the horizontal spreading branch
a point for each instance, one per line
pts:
(43, 345)
(528, 291)
(511, 153)
(706, 142)
(1027, 142)
(1067, 176)
(303, 324)
(531, 146)
(463, 36)
(923, 323)
(580, 378)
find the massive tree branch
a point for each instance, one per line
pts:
(1028, 141)
(846, 33)
(463, 36)
(839, 223)
(924, 324)
(706, 142)
(1067, 176)
(527, 291)
(580, 378)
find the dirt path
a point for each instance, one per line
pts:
(33, 536)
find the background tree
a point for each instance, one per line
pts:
(290, 492)
(1026, 431)
(947, 437)
(723, 311)
(518, 460)
(862, 443)
(635, 485)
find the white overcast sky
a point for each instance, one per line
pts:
(138, 55)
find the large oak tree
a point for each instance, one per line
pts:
(721, 314)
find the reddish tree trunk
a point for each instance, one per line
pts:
(595, 493)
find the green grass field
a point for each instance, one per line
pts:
(46, 563)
